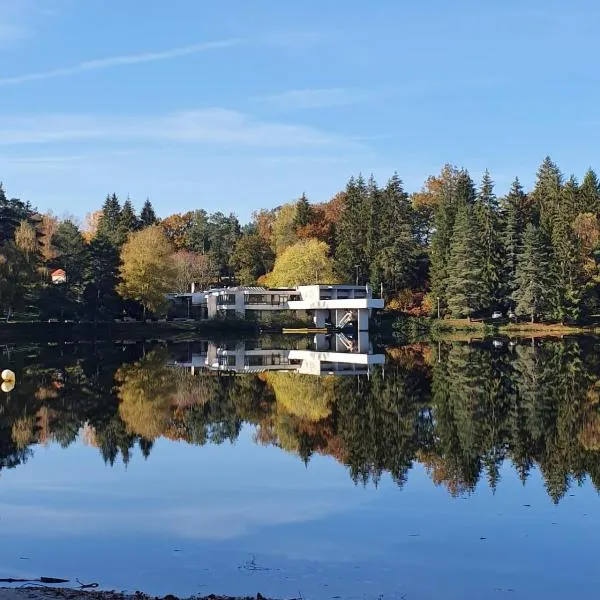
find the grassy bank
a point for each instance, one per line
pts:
(458, 329)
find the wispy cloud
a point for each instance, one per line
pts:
(204, 126)
(305, 99)
(117, 61)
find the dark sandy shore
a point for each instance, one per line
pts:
(48, 593)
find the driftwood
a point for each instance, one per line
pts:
(40, 580)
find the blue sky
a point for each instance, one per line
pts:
(235, 105)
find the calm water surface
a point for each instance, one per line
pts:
(453, 471)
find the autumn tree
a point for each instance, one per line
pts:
(90, 227)
(306, 262)
(283, 230)
(193, 268)
(147, 269)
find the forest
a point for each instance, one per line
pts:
(460, 410)
(454, 246)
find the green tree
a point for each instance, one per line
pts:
(252, 258)
(547, 193)
(304, 212)
(223, 233)
(352, 233)
(535, 281)
(515, 217)
(100, 281)
(466, 289)
(454, 189)
(147, 216)
(147, 269)
(567, 254)
(109, 224)
(488, 224)
(589, 193)
(128, 220)
(198, 233)
(71, 251)
(393, 243)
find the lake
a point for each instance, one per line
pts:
(434, 470)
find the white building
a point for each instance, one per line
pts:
(335, 304)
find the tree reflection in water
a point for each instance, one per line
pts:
(459, 409)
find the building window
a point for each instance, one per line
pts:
(225, 299)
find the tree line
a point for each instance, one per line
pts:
(461, 410)
(453, 246)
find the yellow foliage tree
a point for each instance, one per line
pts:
(283, 231)
(304, 263)
(145, 389)
(303, 396)
(147, 270)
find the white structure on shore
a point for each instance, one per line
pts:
(334, 304)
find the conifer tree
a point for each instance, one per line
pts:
(351, 259)
(488, 224)
(128, 220)
(589, 194)
(546, 194)
(392, 240)
(567, 254)
(109, 222)
(515, 216)
(466, 290)
(456, 191)
(303, 212)
(147, 216)
(535, 283)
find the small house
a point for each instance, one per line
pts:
(58, 276)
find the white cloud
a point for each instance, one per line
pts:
(313, 98)
(204, 126)
(116, 61)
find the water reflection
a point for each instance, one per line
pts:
(461, 410)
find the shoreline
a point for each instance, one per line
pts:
(34, 592)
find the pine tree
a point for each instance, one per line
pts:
(567, 254)
(456, 191)
(351, 258)
(393, 243)
(128, 220)
(488, 223)
(466, 290)
(147, 216)
(535, 282)
(303, 212)
(109, 222)
(546, 194)
(515, 216)
(589, 194)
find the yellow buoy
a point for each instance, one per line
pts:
(7, 386)
(8, 375)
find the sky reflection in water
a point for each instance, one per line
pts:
(242, 517)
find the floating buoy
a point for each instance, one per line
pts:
(7, 386)
(8, 382)
(8, 375)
